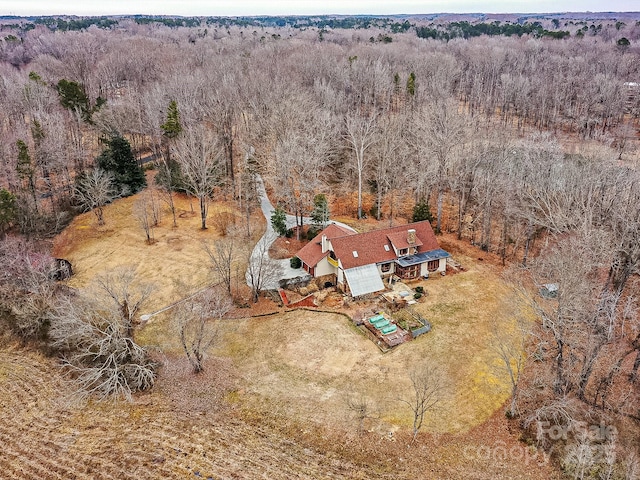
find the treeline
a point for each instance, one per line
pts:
(436, 29)
(453, 30)
(82, 23)
(72, 90)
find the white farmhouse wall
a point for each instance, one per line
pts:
(324, 268)
(443, 265)
(424, 271)
(392, 269)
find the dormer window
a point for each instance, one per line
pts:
(403, 251)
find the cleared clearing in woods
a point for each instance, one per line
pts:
(176, 264)
(308, 364)
(304, 363)
(274, 400)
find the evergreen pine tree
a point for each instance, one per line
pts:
(118, 160)
(172, 127)
(279, 221)
(411, 84)
(8, 210)
(421, 211)
(320, 214)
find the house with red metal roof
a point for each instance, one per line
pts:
(359, 263)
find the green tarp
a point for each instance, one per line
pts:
(389, 329)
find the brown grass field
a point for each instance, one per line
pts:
(176, 264)
(273, 400)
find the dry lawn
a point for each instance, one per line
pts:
(45, 434)
(308, 364)
(176, 264)
(275, 400)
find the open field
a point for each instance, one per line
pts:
(274, 399)
(46, 435)
(308, 364)
(176, 264)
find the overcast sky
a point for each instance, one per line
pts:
(304, 7)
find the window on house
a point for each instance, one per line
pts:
(409, 272)
(355, 254)
(385, 267)
(386, 247)
(433, 265)
(403, 251)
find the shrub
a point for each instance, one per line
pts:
(312, 232)
(420, 289)
(417, 295)
(295, 262)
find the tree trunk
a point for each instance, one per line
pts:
(560, 383)
(100, 215)
(203, 212)
(527, 244)
(636, 366)
(439, 214)
(359, 193)
(170, 185)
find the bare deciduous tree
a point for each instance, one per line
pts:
(125, 293)
(98, 349)
(200, 158)
(262, 271)
(509, 344)
(223, 255)
(27, 287)
(429, 384)
(146, 210)
(197, 319)
(360, 134)
(94, 191)
(362, 408)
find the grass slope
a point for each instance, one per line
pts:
(273, 400)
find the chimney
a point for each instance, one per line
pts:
(411, 236)
(325, 247)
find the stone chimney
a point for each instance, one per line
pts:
(411, 236)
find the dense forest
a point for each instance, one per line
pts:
(522, 137)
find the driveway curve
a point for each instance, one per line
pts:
(270, 236)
